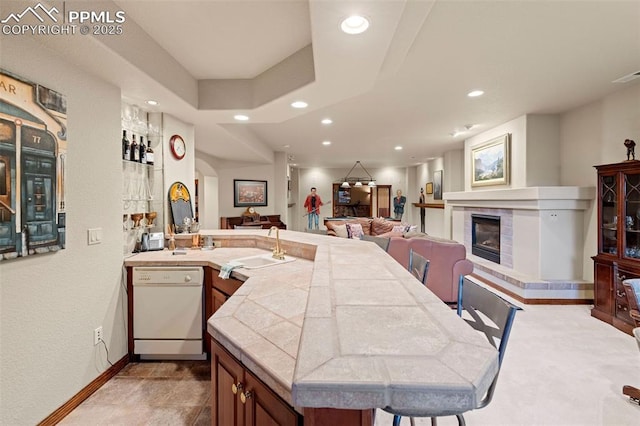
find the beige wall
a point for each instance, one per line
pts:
(50, 304)
(594, 134)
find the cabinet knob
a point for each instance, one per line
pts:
(236, 387)
(244, 396)
(622, 308)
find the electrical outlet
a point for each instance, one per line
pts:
(97, 335)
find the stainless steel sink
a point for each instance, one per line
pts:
(260, 261)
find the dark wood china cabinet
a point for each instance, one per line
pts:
(618, 255)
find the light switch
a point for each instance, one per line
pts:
(94, 236)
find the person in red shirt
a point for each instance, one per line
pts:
(312, 204)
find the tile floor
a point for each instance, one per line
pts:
(562, 367)
(150, 393)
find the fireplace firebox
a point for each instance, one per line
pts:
(485, 237)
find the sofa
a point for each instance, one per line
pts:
(376, 226)
(447, 261)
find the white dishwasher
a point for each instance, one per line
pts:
(168, 318)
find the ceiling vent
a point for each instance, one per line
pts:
(628, 77)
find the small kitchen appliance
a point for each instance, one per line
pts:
(156, 241)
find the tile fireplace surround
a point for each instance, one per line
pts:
(541, 239)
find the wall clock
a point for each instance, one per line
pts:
(178, 147)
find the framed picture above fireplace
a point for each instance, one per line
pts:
(490, 162)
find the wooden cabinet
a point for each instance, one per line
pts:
(264, 222)
(618, 255)
(217, 291)
(240, 398)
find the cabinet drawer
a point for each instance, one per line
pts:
(621, 295)
(228, 287)
(621, 303)
(622, 312)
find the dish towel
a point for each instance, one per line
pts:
(227, 268)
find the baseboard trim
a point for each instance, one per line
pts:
(533, 301)
(64, 410)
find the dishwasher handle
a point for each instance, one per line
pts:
(152, 284)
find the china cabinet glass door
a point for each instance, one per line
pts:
(632, 216)
(609, 214)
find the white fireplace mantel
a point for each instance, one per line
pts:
(531, 198)
(541, 238)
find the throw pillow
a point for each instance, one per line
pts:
(341, 231)
(380, 226)
(399, 228)
(365, 222)
(355, 231)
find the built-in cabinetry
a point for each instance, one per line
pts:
(141, 205)
(618, 255)
(217, 291)
(261, 222)
(240, 398)
(361, 201)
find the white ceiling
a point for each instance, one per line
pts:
(403, 82)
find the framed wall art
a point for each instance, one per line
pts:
(33, 155)
(429, 188)
(249, 193)
(490, 162)
(437, 185)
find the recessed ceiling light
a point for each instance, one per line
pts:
(299, 104)
(286, 146)
(475, 93)
(241, 117)
(152, 102)
(326, 121)
(355, 24)
(398, 148)
(326, 143)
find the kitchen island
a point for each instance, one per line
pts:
(344, 329)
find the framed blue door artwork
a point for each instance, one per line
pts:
(33, 147)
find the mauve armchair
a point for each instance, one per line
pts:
(447, 262)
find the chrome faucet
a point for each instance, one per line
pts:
(278, 253)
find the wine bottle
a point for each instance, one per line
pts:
(126, 146)
(142, 157)
(149, 153)
(135, 153)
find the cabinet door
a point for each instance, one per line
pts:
(263, 407)
(631, 241)
(226, 372)
(217, 299)
(603, 288)
(608, 214)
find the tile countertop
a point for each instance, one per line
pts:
(350, 329)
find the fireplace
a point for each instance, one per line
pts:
(485, 237)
